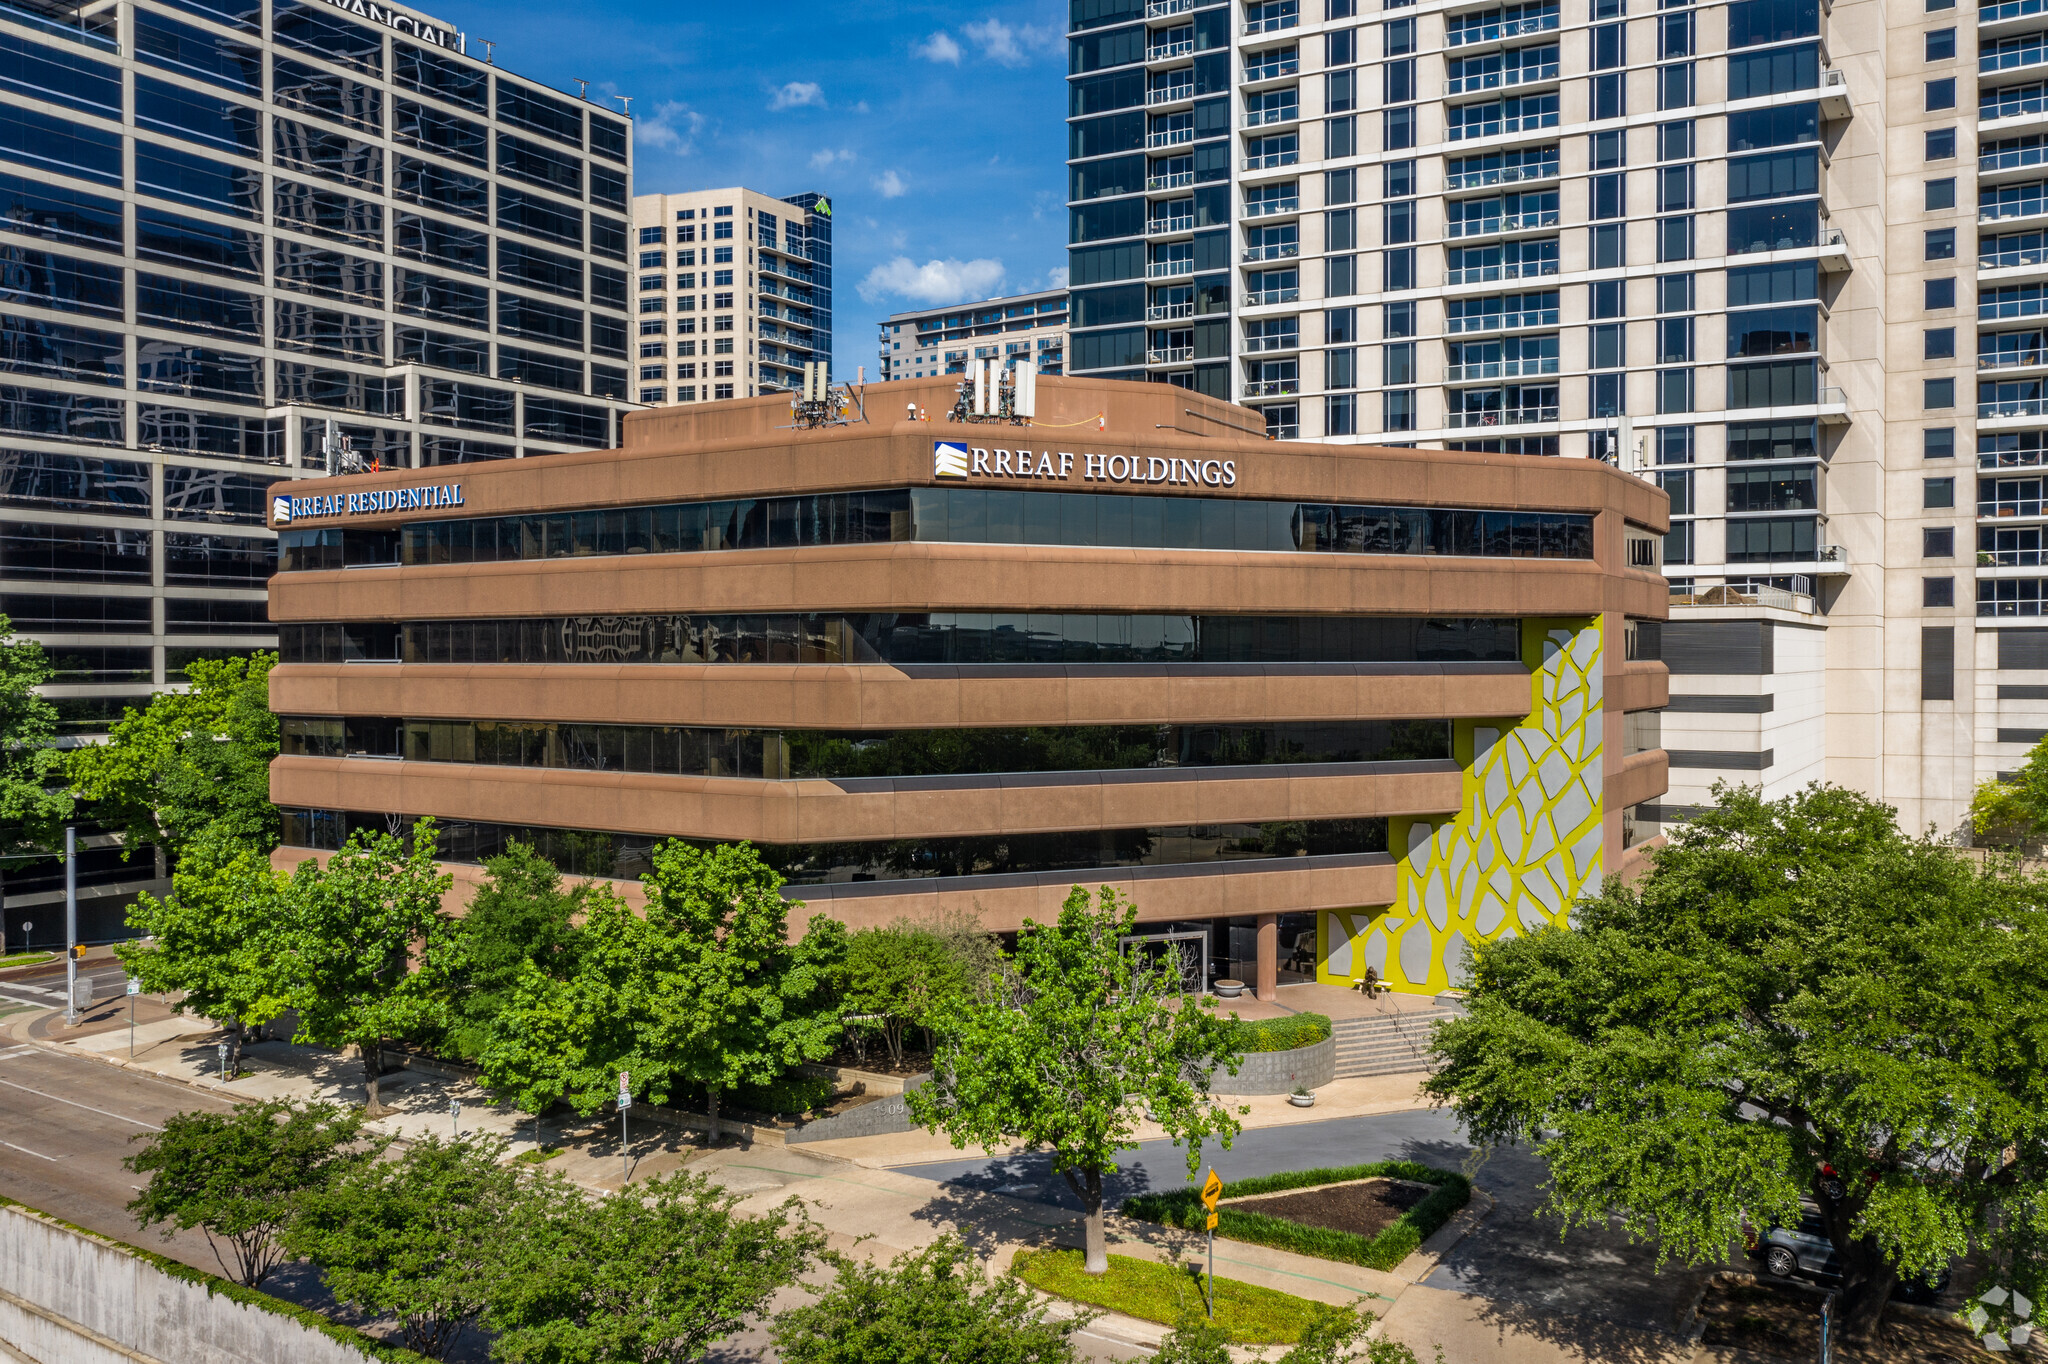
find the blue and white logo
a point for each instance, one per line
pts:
(949, 459)
(281, 510)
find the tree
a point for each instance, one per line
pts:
(417, 1237)
(900, 975)
(237, 1176)
(1194, 1339)
(702, 992)
(1795, 1002)
(519, 914)
(189, 760)
(932, 1306)
(220, 937)
(1077, 1040)
(369, 946)
(657, 1274)
(33, 801)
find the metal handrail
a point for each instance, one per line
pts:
(1169, 355)
(1487, 33)
(1501, 369)
(1280, 251)
(1157, 226)
(1507, 416)
(1167, 269)
(1504, 222)
(1176, 180)
(1272, 388)
(1266, 208)
(1503, 175)
(1484, 274)
(1285, 113)
(1172, 137)
(1159, 52)
(1502, 79)
(1259, 298)
(1168, 312)
(1170, 94)
(1272, 160)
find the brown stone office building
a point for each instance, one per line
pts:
(1318, 709)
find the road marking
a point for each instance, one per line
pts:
(87, 1107)
(15, 1051)
(25, 1151)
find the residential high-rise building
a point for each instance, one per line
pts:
(735, 292)
(1728, 238)
(917, 345)
(247, 240)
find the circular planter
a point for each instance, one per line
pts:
(1226, 988)
(1302, 1100)
(1280, 1072)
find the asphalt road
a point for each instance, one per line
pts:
(1513, 1258)
(42, 987)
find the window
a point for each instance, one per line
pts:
(1610, 150)
(1674, 85)
(1397, 320)
(1605, 346)
(1941, 144)
(1340, 414)
(1397, 409)
(1937, 393)
(1397, 364)
(1938, 442)
(652, 236)
(1610, 246)
(1938, 343)
(1938, 542)
(1937, 493)
(1941, 45)
(1941, 194)
(1674, 141)
(1674, 239)
(1941, 244)
(1674, 390)
(1937, 591)
(1940, 293)
(1941, 94)
(1938, 661)
(1606, 298)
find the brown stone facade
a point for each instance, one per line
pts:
(745, 449)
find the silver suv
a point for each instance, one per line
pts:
(1805, 1250)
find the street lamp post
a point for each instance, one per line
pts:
(71, 924)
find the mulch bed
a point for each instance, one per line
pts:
(1367, 1207)
(1781, 1320)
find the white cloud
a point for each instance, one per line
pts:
(936, 281)
(940, 47)
(1056, 278)
(672, 127)
(890, 185)
(798, 94)
(1008, 46)
(825, 156)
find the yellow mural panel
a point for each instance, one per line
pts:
(1524, 845)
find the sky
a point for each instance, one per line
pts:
(936, 129)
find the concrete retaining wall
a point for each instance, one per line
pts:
(69, 1298)
(1278, 1072)
(877, 1119)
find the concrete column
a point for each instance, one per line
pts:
(1269, 958)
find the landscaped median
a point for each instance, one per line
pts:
(1152, 1291)
(1371, 1215)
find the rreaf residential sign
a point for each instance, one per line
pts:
(957, 461)
(285, 511)
(398, 21)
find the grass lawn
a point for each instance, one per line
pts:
(1156, 1292)
(27, 958)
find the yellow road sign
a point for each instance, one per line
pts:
(1212, 1222)
(1212, 1190)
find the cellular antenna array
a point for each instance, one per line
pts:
(991, 391)
(823, 403)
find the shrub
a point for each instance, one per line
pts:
(1183, 1208)
(1280, 1034)
(791, 1093)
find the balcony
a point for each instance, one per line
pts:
(1284, 341)
(1170, 355)
(1494, 322)
(2012, 359)
(1272, 71)
(1273, 25)
(1166, 52)
(1170, 269)
(2020, 158)
(1506, 222)
(1474, 34)
(1495, 127)
(1502, 175)
(1260, 118)
(2011, 507)
(1266, 208)
(2011, 106)
(2014, 407)
(1261, 297)
(2015, 58)
(1171, 94)
(1834, 406)
(1163, 227)
(1169, 312)
(1172, 137)
(1511, 416)
(1501, 369)
(1834, 252)
(1833, 561)
(1272, 388)
(1501, 80)
(1272, 160)
(1177, 180)
(1752, 594)
(1834, 93)
(1486, 274)
(1164, 9)
(1280, 251)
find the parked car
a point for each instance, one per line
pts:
(1804, 1251)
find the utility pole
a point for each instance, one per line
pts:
(71, 924)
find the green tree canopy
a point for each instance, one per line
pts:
(932, 1306)
(238, 1176)
(33, 801)
(190, 759)
(900, 974)
(221, 937)
(1077, 1040)
(1796, 1001)
(654, 1275)
(418, 1237)
(520, 914)
(369, 946)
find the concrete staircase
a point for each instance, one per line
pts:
(1390, 1043)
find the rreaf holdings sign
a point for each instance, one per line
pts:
(286, 511)
(957, 461)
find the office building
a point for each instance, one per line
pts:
(247, 240)
(934, 341)
(1317, 711)
(734, 292)
(1719, 245)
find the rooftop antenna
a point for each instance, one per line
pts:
(489, 47)
(582, 87)
(626, 103)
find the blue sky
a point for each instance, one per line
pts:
(935, 129)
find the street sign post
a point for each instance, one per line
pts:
(70, 924)
(1212, 1191)
(134, 989)
(223, 1063)
(625, 1103)
(455, 1115)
